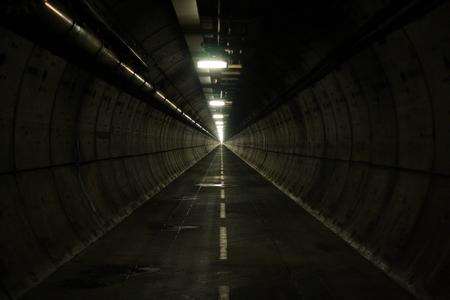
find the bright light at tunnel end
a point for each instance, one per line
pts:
(220, 130)
(212, 64)
(220, 134)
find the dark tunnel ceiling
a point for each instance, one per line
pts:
(161, 44)
(281, 42)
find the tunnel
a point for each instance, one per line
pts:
(224, 149)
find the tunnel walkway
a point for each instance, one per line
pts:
(219, 231)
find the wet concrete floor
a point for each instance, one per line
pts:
(219, 231)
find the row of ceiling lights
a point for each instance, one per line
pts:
(214, 64)
(211, 54)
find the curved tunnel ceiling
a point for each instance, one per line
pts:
(153, 28)
(282, 42)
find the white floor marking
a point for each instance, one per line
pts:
(211, 184)
(222, 211)
(223, 254)
(224, 292)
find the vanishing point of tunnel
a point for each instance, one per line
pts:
(224, 149)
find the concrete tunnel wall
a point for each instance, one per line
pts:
(367, 151)
(77, 156)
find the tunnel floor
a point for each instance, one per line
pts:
(219, 231)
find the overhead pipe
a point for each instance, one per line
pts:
(88, 9)
(74, 37)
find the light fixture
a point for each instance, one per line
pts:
(219, 122)
(56, 11)
(212, 64)
(217, 103)
(217, 116)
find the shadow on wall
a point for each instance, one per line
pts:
(367, 151)
(77, 157)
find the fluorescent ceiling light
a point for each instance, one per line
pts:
(219, 122)
(160, 95)
(212, 64)
(217, 103)
(217, 116)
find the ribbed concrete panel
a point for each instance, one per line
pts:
(363, 151)
(78, 156)
(34, 109)
(77, 205)
(10, 84)
(47, 216)
(24, 260)
(65, 113)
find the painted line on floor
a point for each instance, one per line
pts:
(224, 292)
(223, 253)
(222, 211)
(210, 184)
